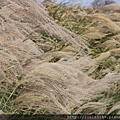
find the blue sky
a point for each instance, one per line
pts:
(87, 2)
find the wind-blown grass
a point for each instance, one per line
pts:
(58, 60)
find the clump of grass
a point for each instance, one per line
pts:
(69, 18)
(60, 82)
(112, 98)
(55, 59)
(114, 95)
(9, 94)
(56, 44)
(108, 65)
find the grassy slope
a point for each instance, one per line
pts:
(80, 22)
(77, 20)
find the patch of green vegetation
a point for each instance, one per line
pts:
(73, 26)
(5, 106)
(55, 59)
(114, 95)
(74, 110)
(8, 96)
(104, 65)
(97, 74)
(56, 44)
(96, 50)
(93, 42)
(47, 38)
(69, 18)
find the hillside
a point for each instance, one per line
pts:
(57, 59)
